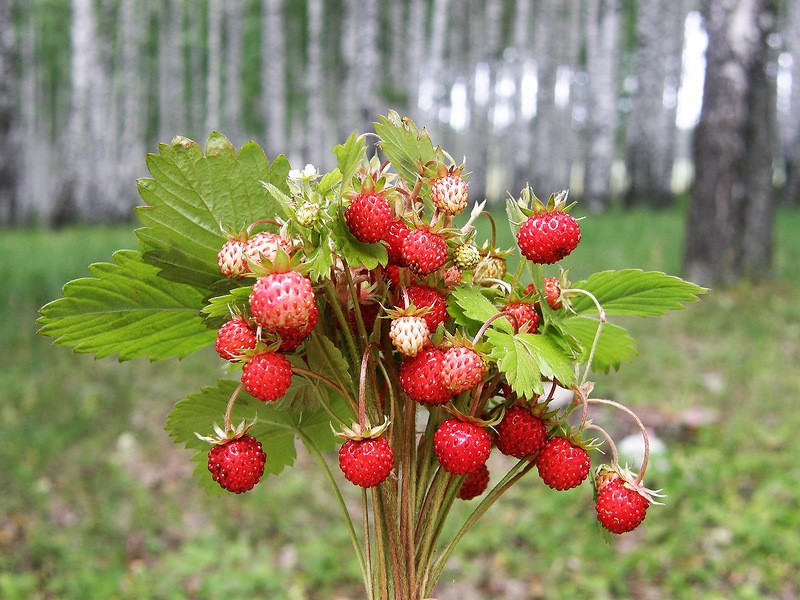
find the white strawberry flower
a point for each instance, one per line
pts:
(308, 173)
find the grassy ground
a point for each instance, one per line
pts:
(98, 503)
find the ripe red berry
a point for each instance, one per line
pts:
(424, 251)
(424, 297)
(292, 337)
(619, 508)
(420, 377)
(548, 237)
(237, 464)
(520, 434)
(527, 318)
(366, 462)
(233, 338)
(461, 446)
(462, 369)
(475, 483)
(281, 300)
(267, 376)
(562, 465)
(368, 216)
(393, 237)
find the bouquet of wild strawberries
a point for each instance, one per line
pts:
(357, 312)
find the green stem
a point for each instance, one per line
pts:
(332, 385)
(312, 447)
(516, 472)
(367, 545)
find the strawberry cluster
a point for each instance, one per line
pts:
(383, 258)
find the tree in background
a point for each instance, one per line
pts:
(8, 80)
(651, 132)
(730, 216)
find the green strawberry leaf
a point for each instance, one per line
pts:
(467, 305)
(276, 427)
(405, 145)
(614, 345)
(193, 199)
(349, 156)
(326, 360)
(526, 358)
(127, 308)
(634, 292)
(219, 308)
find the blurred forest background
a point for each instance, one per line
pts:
(597, 95)
(674, 122)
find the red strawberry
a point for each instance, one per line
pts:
(292, 337)
(231, 259)
(420, 377)
(475, 483)
(409, 334)
(264, 244)
(450, 194)
(561, 464)
(547, 237)
(424, 251)
(462, 370)
(425, 297)
(527, 318)
(520, 434)
(619, 507)
(282, 300)
(394, 236)
(552, 292)
(366, 462)
(461, 446)
(267, 376)
(233, 337)
(237, 464)
(368, 216)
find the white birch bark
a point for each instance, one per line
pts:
(521, 134)
(232, 91)
(171, 117)
(317, 133)
(8, 121)
(214, 77)
(602, 37)
(273, 74)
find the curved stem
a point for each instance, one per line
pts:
(602, 313)
(609, 439)
(639, 423)
(509, 315)
(229, 408)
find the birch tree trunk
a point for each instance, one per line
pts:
(651, 126)
(273, 75)
(171, 117)
(484, 44)
(729, 231)
(8, 124)
(556, 48)
(521, 135)
(214, 76)
(790, 126)
(131, 99)
(432, 84)
(232, 91)
(602, 46)
(317, 131)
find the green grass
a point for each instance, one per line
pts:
(98, 503)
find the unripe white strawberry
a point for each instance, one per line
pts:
(449, 194)
(231, 259)
(409, 334)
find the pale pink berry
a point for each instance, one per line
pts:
(462, 369)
